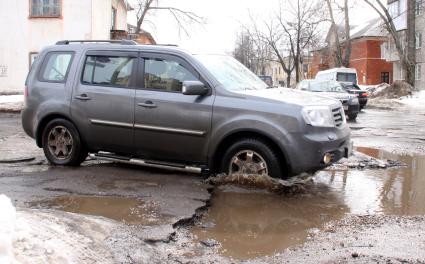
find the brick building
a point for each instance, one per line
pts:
(365, 54)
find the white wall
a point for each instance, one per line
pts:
(20, 35)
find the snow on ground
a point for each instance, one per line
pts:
(11, 98)
(11, 103)
(7, 229)
(416, 100)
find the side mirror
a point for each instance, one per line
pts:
(194, 88)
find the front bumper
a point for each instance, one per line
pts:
(309, 150)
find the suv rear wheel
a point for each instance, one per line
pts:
(251, 156)
(62, 143)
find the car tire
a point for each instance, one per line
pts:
(352, 117)
(252, 155)
(62, 144)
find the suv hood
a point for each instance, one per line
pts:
(292, 96)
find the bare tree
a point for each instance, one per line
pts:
(290, 33)
(342, 53)
(300, 22)
(182, 17)
(252, 52)
(407, 56)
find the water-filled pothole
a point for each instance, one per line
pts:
(251, 224)
(123, 209)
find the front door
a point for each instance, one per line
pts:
(169, 125)
(103, 100)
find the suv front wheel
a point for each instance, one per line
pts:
(62, 143)
(251, 156)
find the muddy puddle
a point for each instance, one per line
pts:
(251, 224)
(127, 210)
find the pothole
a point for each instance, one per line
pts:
(131, 211)
(255, 220)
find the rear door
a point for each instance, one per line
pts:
(169, 125)
(103, 100)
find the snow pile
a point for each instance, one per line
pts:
(394, 91)
(11, 98)
(7, 229)
(416, 100)
(11, 103)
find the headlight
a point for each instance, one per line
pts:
(319, 116)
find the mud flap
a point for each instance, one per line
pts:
(348, 149)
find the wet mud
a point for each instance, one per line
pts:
(245, 223)
(132, 211)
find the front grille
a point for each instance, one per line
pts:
(338, 115)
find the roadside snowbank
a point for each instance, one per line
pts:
(416, 100)
(7, 229)
(11, 103)
(11, 98)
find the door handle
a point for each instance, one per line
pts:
(147, 104)
(82, 97)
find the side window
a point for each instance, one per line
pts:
(108, 70)
(166, 75)
(56, 66)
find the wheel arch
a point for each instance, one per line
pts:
(44, 121)
(234, 136)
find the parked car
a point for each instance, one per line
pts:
(267, 79)
(160, 106)
(335, 90)
(355, 89)
(338, 74)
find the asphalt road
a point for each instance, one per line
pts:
(133, 214)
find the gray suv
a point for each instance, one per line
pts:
(160, 106)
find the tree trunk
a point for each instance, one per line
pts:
(336, 50)
(347, 49)
(410, 49)
(288, 79)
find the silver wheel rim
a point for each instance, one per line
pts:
(60, 142)
(248, 162)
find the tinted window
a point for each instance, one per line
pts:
(106, 70)
(56, 66)
(166, 75)
(346, 77)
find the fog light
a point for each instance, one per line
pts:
(327, 158)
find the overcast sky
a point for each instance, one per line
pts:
(224, 18)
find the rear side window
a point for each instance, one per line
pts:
(56, 66)
(108, 70)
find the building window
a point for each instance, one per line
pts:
(418, 40)
(385, 77)
(419, 7)
(113, 19)
(45, 8)
(418, 72)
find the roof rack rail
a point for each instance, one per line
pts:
(166, 45)
(122, 42)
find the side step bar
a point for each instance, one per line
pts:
(146, 163)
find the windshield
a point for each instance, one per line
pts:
(334, 87)
(230, 73)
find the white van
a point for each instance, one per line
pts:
(338, 74)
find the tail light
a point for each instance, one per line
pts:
(363, 94)
(26, 91)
